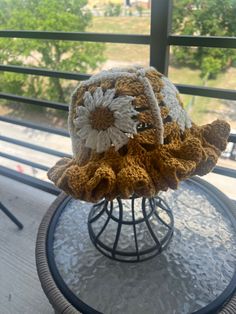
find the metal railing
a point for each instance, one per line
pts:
(159, 42)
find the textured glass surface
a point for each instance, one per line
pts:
(195, 268)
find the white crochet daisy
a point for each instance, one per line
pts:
(105, 121)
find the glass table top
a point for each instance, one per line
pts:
(191, 273)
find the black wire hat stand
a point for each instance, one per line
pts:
(131, 230)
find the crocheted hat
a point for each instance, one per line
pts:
(131, 135)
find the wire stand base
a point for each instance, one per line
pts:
(132, 230)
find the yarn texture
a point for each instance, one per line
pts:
(131, 135)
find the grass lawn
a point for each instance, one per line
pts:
(124, 53)
(121, 24)
(91, 3)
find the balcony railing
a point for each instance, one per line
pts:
(159, 42)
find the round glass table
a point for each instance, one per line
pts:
(196, 273)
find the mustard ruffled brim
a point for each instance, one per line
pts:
(142, 169)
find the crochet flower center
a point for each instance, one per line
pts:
(105, 120)
(101, 118)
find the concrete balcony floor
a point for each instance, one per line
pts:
(20, 289)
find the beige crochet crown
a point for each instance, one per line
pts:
(110, 118)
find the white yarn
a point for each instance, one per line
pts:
(77, 147)
(155, 109)
(117, 134)
(176, 112)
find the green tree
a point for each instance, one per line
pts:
(46, 15)
(206, 18)
(113, 9)
(139, 9)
